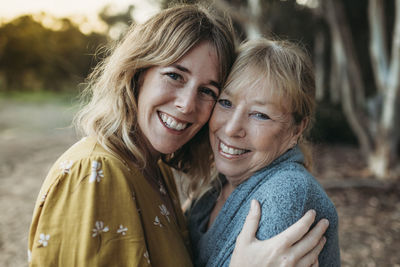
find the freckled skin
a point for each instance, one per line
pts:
(184, 91)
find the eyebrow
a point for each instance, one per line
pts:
(258, 102)
(184, 69)
(262, 103)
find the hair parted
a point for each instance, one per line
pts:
(288, 69)
(111, 113)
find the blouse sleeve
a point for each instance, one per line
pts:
(87, 216)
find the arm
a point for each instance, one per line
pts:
(88, 218)
(292, 247)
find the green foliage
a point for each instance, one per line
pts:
(41, 97)
(35, 58)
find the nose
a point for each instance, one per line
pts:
(234, 126)
(185, 100)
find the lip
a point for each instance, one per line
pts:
(173, 131)
(231, 156)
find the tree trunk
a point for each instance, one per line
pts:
(346, 64)
(319, 63)
(249, 16)
(387, 79)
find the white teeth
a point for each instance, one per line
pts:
(230, 150)
(180, 126)
(169, 121)
(172, 123)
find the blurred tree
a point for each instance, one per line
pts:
(366, 87)
(373, 117)
(117, 22)
(33, 57)
(269, 18)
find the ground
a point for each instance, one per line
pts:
(33, 135)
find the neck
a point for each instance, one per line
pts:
(226, 191)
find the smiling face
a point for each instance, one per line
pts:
(176, 101)
(248, 129)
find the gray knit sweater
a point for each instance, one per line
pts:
(285, 189)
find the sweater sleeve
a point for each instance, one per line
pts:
(285, 198)
(86, 216)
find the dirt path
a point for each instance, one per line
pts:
(32, 136)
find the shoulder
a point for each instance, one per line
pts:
(88, 148)
(87, 202)
(290, 182)
(87, 162)
(290, 191)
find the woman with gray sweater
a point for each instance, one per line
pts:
(257, 136)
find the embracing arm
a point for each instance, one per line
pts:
(296, 246)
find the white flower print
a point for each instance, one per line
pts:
(157, 222)
(122, 230)
(162, 188)
(97, 172)
(164, 211)
(65, 166)
(43, 197)
(146, 255)
(44, 240)
(99, 228)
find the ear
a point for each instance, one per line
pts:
(298, 131)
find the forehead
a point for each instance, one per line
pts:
(255, 86)
(203, 57)
(247, 82)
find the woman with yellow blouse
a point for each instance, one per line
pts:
(110, 199)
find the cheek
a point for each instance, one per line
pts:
(202, 114)
(266, 138)
(283, 141)
(206, 108)
(214, 121)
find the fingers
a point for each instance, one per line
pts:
(250, 226)
(295, 232)
(315, 264)
(311, 239)
(311, 258)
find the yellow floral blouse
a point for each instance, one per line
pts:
(96, 210)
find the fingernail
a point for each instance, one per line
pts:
(324, 239)
(313, 213)
(326, 222)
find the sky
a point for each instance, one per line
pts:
(75, 9)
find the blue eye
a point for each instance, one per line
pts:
(225, 103)
(260, 116)
(174, 76)
(208, 93)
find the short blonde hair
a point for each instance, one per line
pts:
(111, 113)
(287, 68)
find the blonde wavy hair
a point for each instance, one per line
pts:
(288, 69)
(111, 112)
